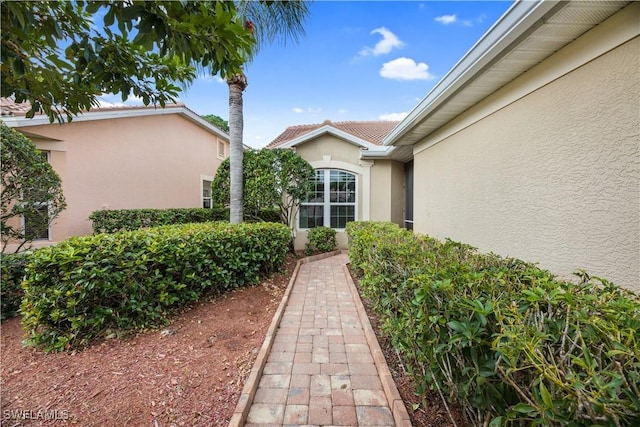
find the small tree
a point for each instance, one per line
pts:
(60, 55)
(217, 121)
(31, 189)
(272, 179)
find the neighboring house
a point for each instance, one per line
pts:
(528, 147)
(346, 187)
(125, 158)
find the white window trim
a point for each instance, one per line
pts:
(201, 197)
(221, 143)
(327, 204)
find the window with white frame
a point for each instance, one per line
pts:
(332, 201)
(206, 194)
(221, 149)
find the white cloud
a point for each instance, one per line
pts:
(405, 69)
(394, 117)
(307, 110)
(453, 19)
(342, 111)
(209, 78)
(388, 42)
(111, 101)
(447, 19)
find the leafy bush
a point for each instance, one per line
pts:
(272, 178)
(512, 343)
(84, 286)
(321, 239)
(110, 221)
(28, 183)
(12, 272)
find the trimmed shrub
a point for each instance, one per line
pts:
(510, 342)
(12, 272)
(84, 286)
(321, 239)
(111, 221)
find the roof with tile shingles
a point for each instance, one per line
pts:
(370, 131)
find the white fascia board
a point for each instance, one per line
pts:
(328, 129)
(521, 17)
(202, 122)
(105, 114)
(378, 153)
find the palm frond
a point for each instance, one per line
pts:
(275, 20)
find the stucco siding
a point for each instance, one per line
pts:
(387, 195)
(127, 163)
(325, 145)
(551, 177)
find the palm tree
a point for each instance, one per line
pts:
(268, 20)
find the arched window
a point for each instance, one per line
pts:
(332, 202)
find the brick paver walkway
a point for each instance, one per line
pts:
(320, 371)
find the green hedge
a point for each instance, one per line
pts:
(321, 239)
(110, 221)
(510, 342)
(84, 286)
(11, 274)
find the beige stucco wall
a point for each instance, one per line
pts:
(550, 173)
(126, 163)
(374, 180)
(387, 189)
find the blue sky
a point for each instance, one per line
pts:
(359, 60)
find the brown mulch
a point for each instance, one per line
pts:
(187, 374)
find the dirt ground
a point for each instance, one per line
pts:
(188, 374)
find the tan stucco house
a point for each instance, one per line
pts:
(125, 158)
(346, 187)
(528, 147)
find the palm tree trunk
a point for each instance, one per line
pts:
(237, 84)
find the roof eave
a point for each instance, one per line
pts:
(105, 114)
(519, 19)
(327, 129)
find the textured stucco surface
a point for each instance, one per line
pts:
(387, 193)
(553, 178)
(126, 163)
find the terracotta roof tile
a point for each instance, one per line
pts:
(8, 107)
(371, 131)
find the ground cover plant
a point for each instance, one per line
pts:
(512, 344)
(86, 287)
